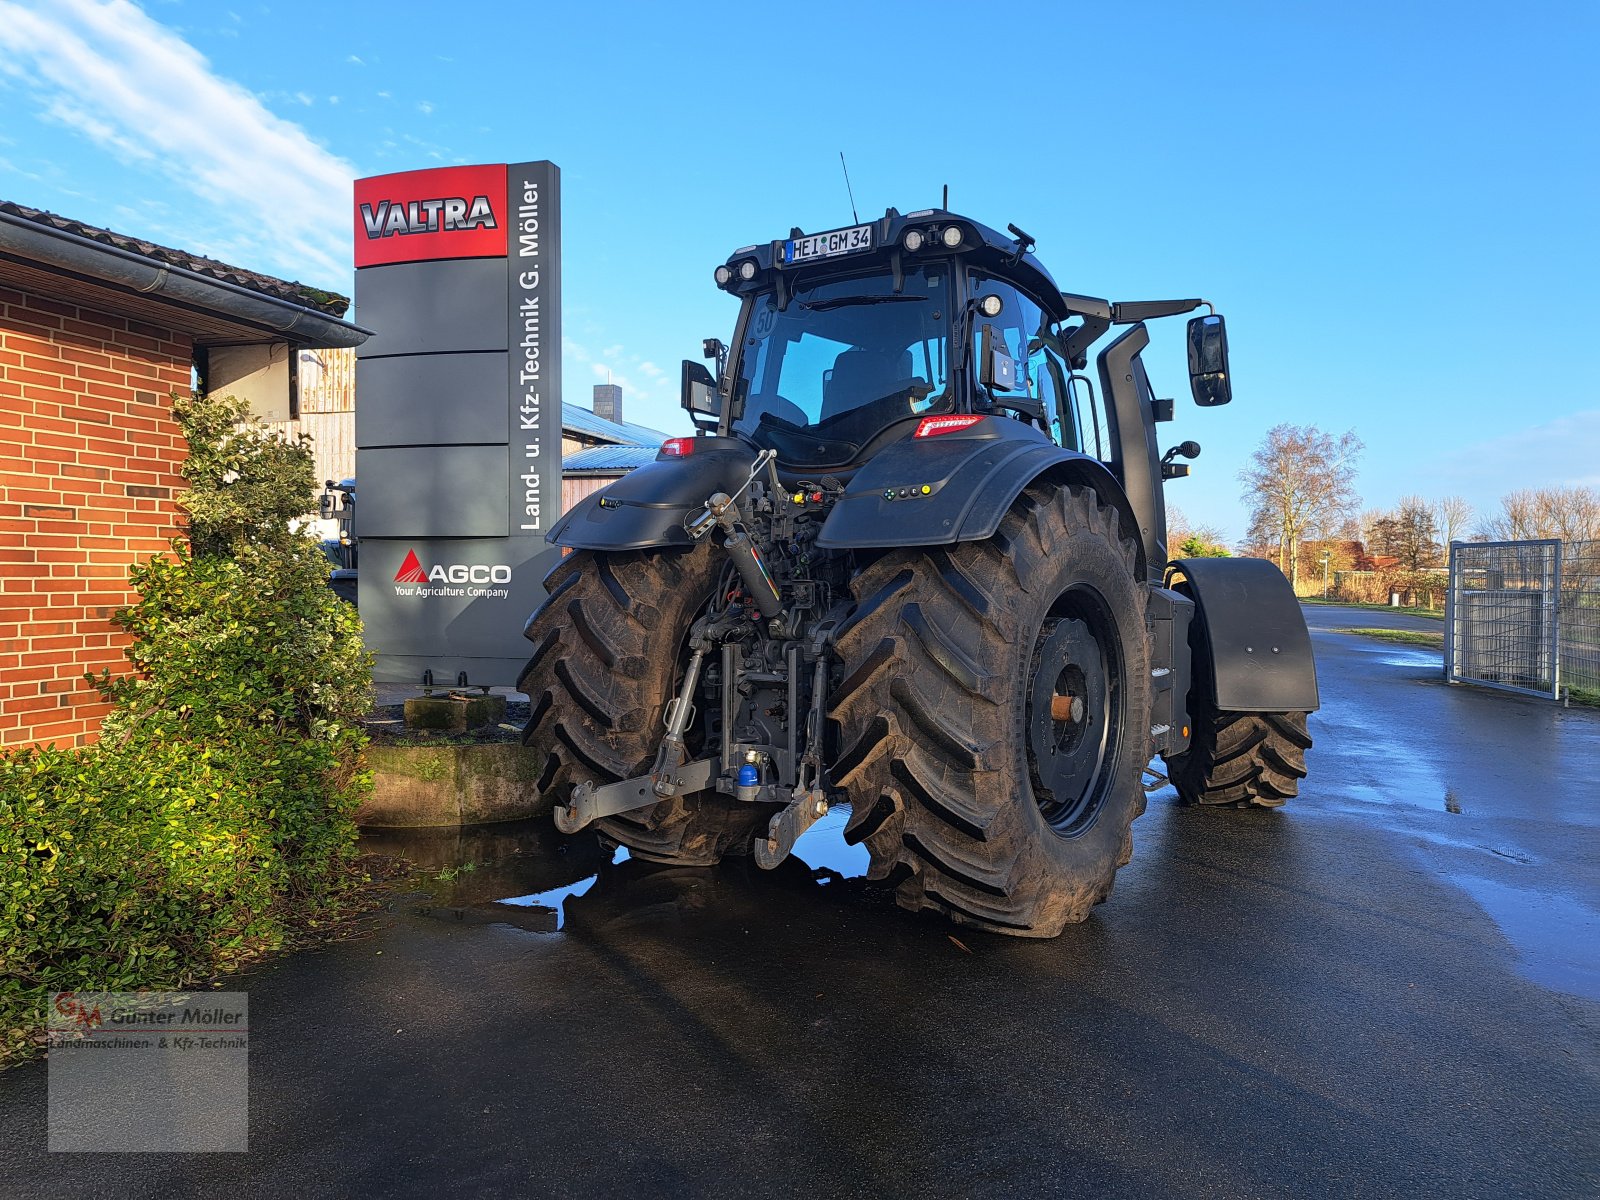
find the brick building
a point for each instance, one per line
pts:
(97, 331)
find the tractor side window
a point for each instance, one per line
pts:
(1021, 323)
(1049, 371)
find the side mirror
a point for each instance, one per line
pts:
(326, 507)
(699, 390)
(1209, 379)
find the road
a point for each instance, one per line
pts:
(1391, 988)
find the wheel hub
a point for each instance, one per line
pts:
(1071, 721)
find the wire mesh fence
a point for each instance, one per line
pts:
(1579, 648)
(1501, 615)
(1524, 616)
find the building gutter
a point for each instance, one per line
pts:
(133, 272)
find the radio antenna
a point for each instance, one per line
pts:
(849, 191)
(945, 203)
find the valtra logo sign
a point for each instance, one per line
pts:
(472, 580)
(446, 212)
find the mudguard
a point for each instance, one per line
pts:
(647, 506)
(955, 487)
(1248, 623)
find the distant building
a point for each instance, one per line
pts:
(581, 428)
(608, 401)
(596, 452)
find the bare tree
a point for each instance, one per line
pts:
(1300, 484)
(1408, 534)
(1185, 539)
(1450, 516)
(1569, 513)
(1178, 524)
(1367, 527)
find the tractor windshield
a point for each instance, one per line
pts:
(845, 358)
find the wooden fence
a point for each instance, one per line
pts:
(327, 391)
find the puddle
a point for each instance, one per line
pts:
(1547, 931)
(824, 848)
(527, 874)
(554, 901)
(1432, 659)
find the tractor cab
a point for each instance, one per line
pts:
(847, 340)
(850, 340)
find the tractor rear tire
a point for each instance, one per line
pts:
(993, 716)
(603, 668)
(1243, 760)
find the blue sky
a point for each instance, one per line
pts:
(1394, 204)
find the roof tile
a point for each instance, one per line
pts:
(331, 303)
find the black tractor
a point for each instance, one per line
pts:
(914, 562)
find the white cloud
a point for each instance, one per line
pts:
(305, 98)
(132, 86)
(357, 59)
(425, 108)
(1556, 453)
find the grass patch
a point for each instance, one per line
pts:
(1436, 613)
(1406, 637)
(1588, 697)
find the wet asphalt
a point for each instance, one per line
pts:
(1391, 988)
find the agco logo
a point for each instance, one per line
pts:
(445, 215)
(412, 571)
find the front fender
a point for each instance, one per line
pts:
(647, 507)
(1249, 626)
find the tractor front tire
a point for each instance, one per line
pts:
(605, 662)
(993, 716)
(1241, 760)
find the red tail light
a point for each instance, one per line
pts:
(678, 447)
(934, 426)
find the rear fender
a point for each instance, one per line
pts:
(647, 507)
(1249, 626)
(957, 487)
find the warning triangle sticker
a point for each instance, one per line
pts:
(411, 570)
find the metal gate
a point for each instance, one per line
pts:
(1503, 616)
(1579, 652)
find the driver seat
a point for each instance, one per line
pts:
(862, 376)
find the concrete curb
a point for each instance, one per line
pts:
(451, 784)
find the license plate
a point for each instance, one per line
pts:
(828, 245)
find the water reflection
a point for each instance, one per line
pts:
(528, 875)
(823, 846)
(554, 900)
(1553, 934)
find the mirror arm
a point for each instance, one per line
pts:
(1076, 347)
(1128, 312)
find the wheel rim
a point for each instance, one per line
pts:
(1075, 718)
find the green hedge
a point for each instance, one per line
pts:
(213, 819)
